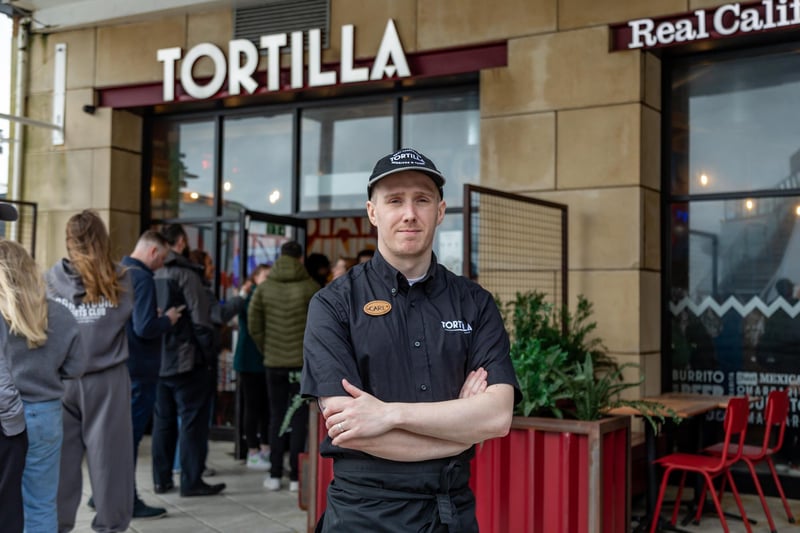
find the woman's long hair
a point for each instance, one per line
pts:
(89, 250)
(23, 300)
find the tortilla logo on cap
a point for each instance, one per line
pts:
(407, 157)
(377, 307)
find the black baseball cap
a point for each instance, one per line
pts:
(401, 160)
(8, 212)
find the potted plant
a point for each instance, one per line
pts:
(565, 465)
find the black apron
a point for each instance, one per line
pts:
(379, 496)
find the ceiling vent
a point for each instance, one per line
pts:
(283, 16)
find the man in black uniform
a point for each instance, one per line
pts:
(410, 366)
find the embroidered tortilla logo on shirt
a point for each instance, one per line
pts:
(457, 325)
(377, 307)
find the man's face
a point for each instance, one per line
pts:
(406, 208)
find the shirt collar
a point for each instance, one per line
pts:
(396, 281)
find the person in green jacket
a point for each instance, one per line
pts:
(277, 322)
(249, 365)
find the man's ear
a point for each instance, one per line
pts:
(371, 213)
(442, 209)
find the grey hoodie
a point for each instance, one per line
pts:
(38, 372)
(12, 417)
(101, 325)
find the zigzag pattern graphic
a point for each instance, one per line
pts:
(732, 303)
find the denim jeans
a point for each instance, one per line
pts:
(40, 477)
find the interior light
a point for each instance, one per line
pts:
(749, 204)
(227, 186)
(194, 195)
(274, 196)
(797, 210)
(703, 180)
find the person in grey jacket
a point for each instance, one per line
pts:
(13, 436)
(43, 347)
(13, 446)
(187, 354)
(97, 410)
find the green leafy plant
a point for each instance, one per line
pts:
(541, 388)
(562, 369)
(595, 392)
(532, 316)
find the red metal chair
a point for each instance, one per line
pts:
(709, 467)
(777, 411)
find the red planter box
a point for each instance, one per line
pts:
(564, 476)
(560, 476)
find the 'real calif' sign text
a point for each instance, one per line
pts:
(727, 20)
(239, 67)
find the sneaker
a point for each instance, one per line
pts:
(272, 483)
(257, 461)
(143, 511)
(294, 486)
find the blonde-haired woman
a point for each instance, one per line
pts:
(97, 409)
(43, 348)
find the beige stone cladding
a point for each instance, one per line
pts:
(570, 121)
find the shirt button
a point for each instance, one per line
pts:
(417, 344)
(423, 387)
(394, 291)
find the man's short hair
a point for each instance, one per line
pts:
(292, 249)
(152, 238)
(173, 232)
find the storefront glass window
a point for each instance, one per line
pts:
(732, 311)
(339, 148)
(448, 245)
(182, 179)
(257, 163)
(736, 124)
(446, 129)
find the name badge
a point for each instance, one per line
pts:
(377, 307)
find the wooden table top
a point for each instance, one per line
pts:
(685, 405)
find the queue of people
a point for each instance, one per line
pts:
(93, 350)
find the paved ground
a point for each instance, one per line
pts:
(244, 507)
(752, 506)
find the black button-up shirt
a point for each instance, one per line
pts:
(418, 348)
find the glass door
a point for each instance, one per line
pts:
(257, 241)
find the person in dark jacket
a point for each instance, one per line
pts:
(221, 314)
(249, 365)
(145, 329)
(276, 320)
(410, 365)
(44, 349)
(186, 357)
(96, 406)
